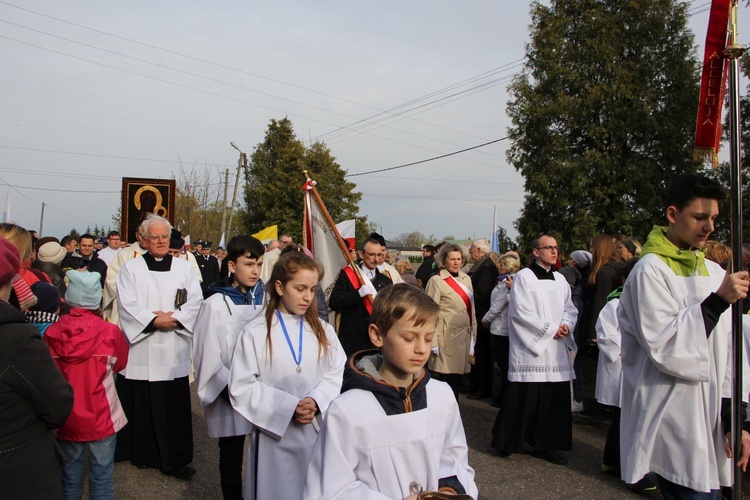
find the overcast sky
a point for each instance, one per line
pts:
(94, 91)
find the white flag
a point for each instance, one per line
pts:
(322, 240)
(6, 211)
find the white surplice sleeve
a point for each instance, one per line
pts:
(330, 384)
(535, 333)
(211, 363)
(608, 337)
(188, 312)
(454, 461)
(673, 336)
(269, 409)
(135, 315)
(330, 473)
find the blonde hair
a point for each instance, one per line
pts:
(19, 237)
(402, 265)
(718, 251)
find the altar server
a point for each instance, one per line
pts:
(394, 431)
(235, 301)
(286, 369)
(676, 344)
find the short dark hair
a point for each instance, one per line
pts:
(688, 187)
(429, 248)
(246, 245)
(396, 301)
(369, 240)
(112, 233)
(87, 236)
(66, 239)
(535, 241)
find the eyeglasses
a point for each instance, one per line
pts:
(158, 237)
(549, 248)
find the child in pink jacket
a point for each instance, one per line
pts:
(88, 351)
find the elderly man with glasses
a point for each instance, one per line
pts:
(536, 406)
(158, 301)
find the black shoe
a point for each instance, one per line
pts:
(478, 395)
(551, 456)
(495, 403)
(183, 472)
(142, 466)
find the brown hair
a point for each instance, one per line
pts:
(602, 251)
(718, 251)
(396, 301)
(19, 237)
(288, 265)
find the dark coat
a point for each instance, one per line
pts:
(34, 398)
(210, 272)
(55, 274)
(483, 279)
(426, 270)
(354, 318)
(93, 264)
(595, 296)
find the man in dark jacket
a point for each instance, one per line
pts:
(209, 266)
(84, 257)
(483, 278)
(347, 298)
(427, 268)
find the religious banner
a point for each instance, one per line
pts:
(322, 238)
(141, 197)
(713, 85)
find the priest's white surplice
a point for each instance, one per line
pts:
(265, 388)
(536, 309)
(157, 355)
(217, 328)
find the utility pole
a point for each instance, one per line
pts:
(41, 221)
(224, 208)
(242, 162)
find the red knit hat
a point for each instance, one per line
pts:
(10, 261)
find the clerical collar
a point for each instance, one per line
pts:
(542, 273)
(159, 266)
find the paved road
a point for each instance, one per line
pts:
(518, 476)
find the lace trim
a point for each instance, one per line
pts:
(541, 368)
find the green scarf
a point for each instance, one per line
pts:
(682, 262)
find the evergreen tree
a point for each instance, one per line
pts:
(273, 192)
(603, 116)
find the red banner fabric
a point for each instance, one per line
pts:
(713, 85)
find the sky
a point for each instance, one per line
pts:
(91, 92)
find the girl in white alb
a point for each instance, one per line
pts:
(286, 369)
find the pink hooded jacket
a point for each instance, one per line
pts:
(88, 351)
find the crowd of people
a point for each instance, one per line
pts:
(357, 394)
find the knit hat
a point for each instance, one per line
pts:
(582, 258)
(46, 239)
(571, 275)
(84, 289)
(51, 251)
(48, 298)
(10, 260)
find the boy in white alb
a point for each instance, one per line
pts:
(393, 431)
(676, 367)
(234, 302)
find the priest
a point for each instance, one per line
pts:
(536, 406)
(158, 300)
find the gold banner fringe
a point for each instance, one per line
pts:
(706, 155)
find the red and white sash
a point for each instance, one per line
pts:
(466, 295)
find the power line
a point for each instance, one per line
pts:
(428, 159)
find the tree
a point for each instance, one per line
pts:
(505, 244)
(415, 239)
(603, 116)
(273, 193)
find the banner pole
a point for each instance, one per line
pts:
(733, 52)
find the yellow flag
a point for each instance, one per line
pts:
(268, 234)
